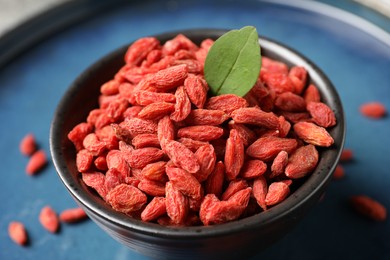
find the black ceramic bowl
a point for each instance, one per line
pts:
(232, 240)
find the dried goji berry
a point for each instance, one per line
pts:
(195, 90)
(259, 190)
(126, 198)
(176, 204)
(28, 145)
(207, 158)
(373, 110)
(168, 78)
(145, 98)
(200, 132)
(277, 192)
(279, 164)
(321, 114)
(140, 49)
(145, 140)
(206, 117)
(253, 169)
(155, 208)
(84, 160)
(155, 171)
(312, 94)
(152, 188)
(95, 180)
(338, 172)
(298, 76)
(288, 101)
(267, 148)
(156, 110)
(139, 158)
(226, 102)
(214, 182)
(73, 215)
(36, 162)
(182, 105)
(313, 134)
(302, 161)
(346, 155)
(17, 232)
(184, 181)
(78, 133)
(234, 155)
(233, 187)
(255, 116)
(181, 156)
(49, 219)
(369, 207)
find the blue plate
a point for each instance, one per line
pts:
(38, 65)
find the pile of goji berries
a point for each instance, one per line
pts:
(160, 148)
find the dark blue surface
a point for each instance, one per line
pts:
(356, 62)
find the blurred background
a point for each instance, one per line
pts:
(14, 12)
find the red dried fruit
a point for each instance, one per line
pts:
(346, 155)
(165, 130)
(157, 110)
(111, 87)
(78, 133)
(278, 82)
(233, 187)
(302, 162)
(126, 198)
(277, 192)
(247, 135)
(196, 91)
(155, 171)
(206, 158)
(73, 215)
(279, 164)
(116, 108)
(113, 178)
(140, 49)
(185, 182)
(17, 232)
(181, 156)
(95, 180)
(259, 190)
(192, 144)
(313, 134)
(84, 160)
(200, 132)
(273, 66)
(234, 155)
(155, 208)
(267, 148)
(375, 110)
(255, 116)
(117, 160)
(139, 158)
(312, 94)
(321, 114)
(176, 204)
(226, 102)
(214, 182)
(295, 117)
(284, 127)
(253, 169)
(28, 145)
(369, 207)
(152, 188)
(182, 105)
(145, 98)
(36, 162)
(168, 78)
(298, 76)
(145, 140)
(338, 172)
(136, 126)
(288, 101)
(206, 117)
(93, 144)
(49, 219)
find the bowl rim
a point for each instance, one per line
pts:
(295, 200)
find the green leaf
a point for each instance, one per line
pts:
(233, 63)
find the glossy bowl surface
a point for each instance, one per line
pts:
(231, 240)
